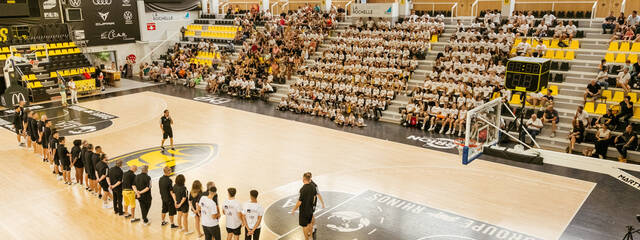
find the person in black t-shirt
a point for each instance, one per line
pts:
(41, 126)
(165, 184)
(593, 91)
(624, 142)
(88, 167)
(306, 203)
(626, 110)
(64, 159)
(101, 170)
(180, 196)
(76, 150)
(17, 124)
(128, 194)
(165, 126)
(142, 188)
(114, 179)
(33, 133)
(95, 158)
(53, 145)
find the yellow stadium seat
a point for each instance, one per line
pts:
(570, 55)
(554, 89)
(5, 50)
(635, 47)
(72, 44)
(621, 58)
(515, 99)
(601, 109)
(39, 54)
(624, 47)
(528, 41)
(92, 69)
(549, 54)
(3, 57)
(633, 96)
(64, 52)
(546, 42)
(434, 38)
(617, 97)
(559, 55)
(613, 46)
(554, 43)
(517, 41)
(575, 44)
(65, 45)
(633, 58)
(53, 74)
(609, 57)
(636, 113)
(589, 107)
(534, 43)
(606, 94)
(32, 47)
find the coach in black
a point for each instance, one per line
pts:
(114, 178)
(306, 203)
(142, 188)
(167, 132)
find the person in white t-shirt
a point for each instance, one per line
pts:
(623, 79)
(252, 217)
(74, 91)
(534, 125)
(209, 215)
(232, 210)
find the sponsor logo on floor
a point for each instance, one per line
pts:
(182, 158)
(72, 120)
(439, 143)
(377, 216)
(212, 99)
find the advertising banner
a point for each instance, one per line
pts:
(109, 21)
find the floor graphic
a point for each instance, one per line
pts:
(374, 215)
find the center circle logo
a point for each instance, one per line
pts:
(347, 221)
(183, 158)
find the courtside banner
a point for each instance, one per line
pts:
(372, 10)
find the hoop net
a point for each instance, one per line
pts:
(482, 129)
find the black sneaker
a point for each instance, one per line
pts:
(172, 148)
(174, 226)
(127, 216)
(99, 195)
(135, 220)
(162, 148)
(121, 214)
(163, 223)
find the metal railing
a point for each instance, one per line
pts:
(163, 43)
(455, 6)
(475, 5)
(553, 3)
(433, 5)
(347, 11)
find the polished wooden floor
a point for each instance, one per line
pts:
(270, 154)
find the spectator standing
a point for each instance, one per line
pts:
(73, 90)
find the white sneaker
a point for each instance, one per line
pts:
(187, 233)
(59, 178)
(441, 130)
(448, 132)
(460, 133)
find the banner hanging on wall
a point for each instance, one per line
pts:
(372, 10)
(110, 21)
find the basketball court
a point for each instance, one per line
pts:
(373, 188)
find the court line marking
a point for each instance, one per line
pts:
(320, 215)
(272, 203)
(577, 210)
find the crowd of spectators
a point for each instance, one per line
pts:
(623, 28)
(467, 74)
(362, 69)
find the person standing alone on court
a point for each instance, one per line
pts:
(17, 124)
(114, 178)
(167, 132)
(306, 203)
(142, 188)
